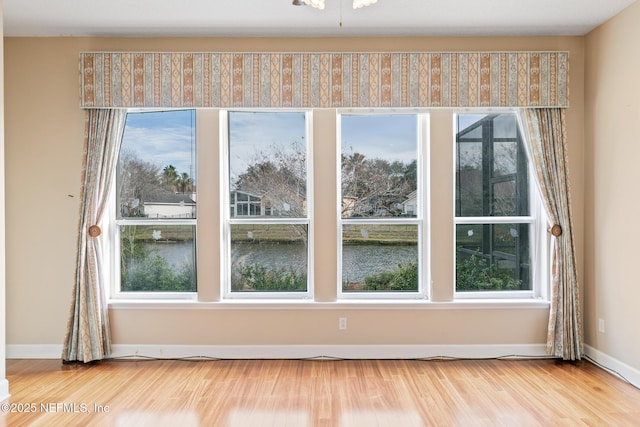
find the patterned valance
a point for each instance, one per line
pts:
(324, 80)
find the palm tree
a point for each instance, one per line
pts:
(183, 183)
(170, 177)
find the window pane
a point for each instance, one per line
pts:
(379, 165)
(491, 167)
(267, 163)
(505, 126)
(157, 258)
(379, 257)
(156, 168)
(469, 238)
(469, 126)
(269, 257)
(492, 257)
(505, 198)
(491, 180)
(469, 179)
(505, 158)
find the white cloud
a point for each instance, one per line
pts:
(162, 139)
(388, 137)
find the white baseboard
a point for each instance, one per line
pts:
(53, 351)
(34, 351)
(616, 367)
(4, 389)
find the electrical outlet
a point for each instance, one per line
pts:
(601, 326)
(342, 323)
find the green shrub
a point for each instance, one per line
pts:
(473, 274)
(152, 274)
(402, 278)
(257, 277)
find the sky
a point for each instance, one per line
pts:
(163, 138)
(388, 137)
(253, 135)
(168, 138)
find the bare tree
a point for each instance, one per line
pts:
(278, 177)
(138, 181)
(375, 187)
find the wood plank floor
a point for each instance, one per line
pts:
(300, 393)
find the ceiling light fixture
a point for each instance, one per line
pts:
(319, 4)
(357, 4)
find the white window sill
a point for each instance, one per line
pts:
(352, 304)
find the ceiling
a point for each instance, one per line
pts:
(281, 18)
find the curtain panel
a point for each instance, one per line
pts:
(547, 142)
(324, 80)
(88, 336)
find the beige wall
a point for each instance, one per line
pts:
(612, 202)
(44, 149)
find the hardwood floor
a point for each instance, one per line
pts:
(303, 393)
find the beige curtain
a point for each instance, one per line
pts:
(88, 337)
(546, 136)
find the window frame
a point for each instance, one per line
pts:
(112, 244)
(226, 221)
(538, 238)
(422, 208)
(219, 292)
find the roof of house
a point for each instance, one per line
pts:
(170, 198)
(411, 195)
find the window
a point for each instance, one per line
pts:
(380, 199)
(494, 221)
(375, 179)
(267, 233)
(155, 218)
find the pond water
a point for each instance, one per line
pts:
(176, 254)
(361, 260)
(358, 260)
